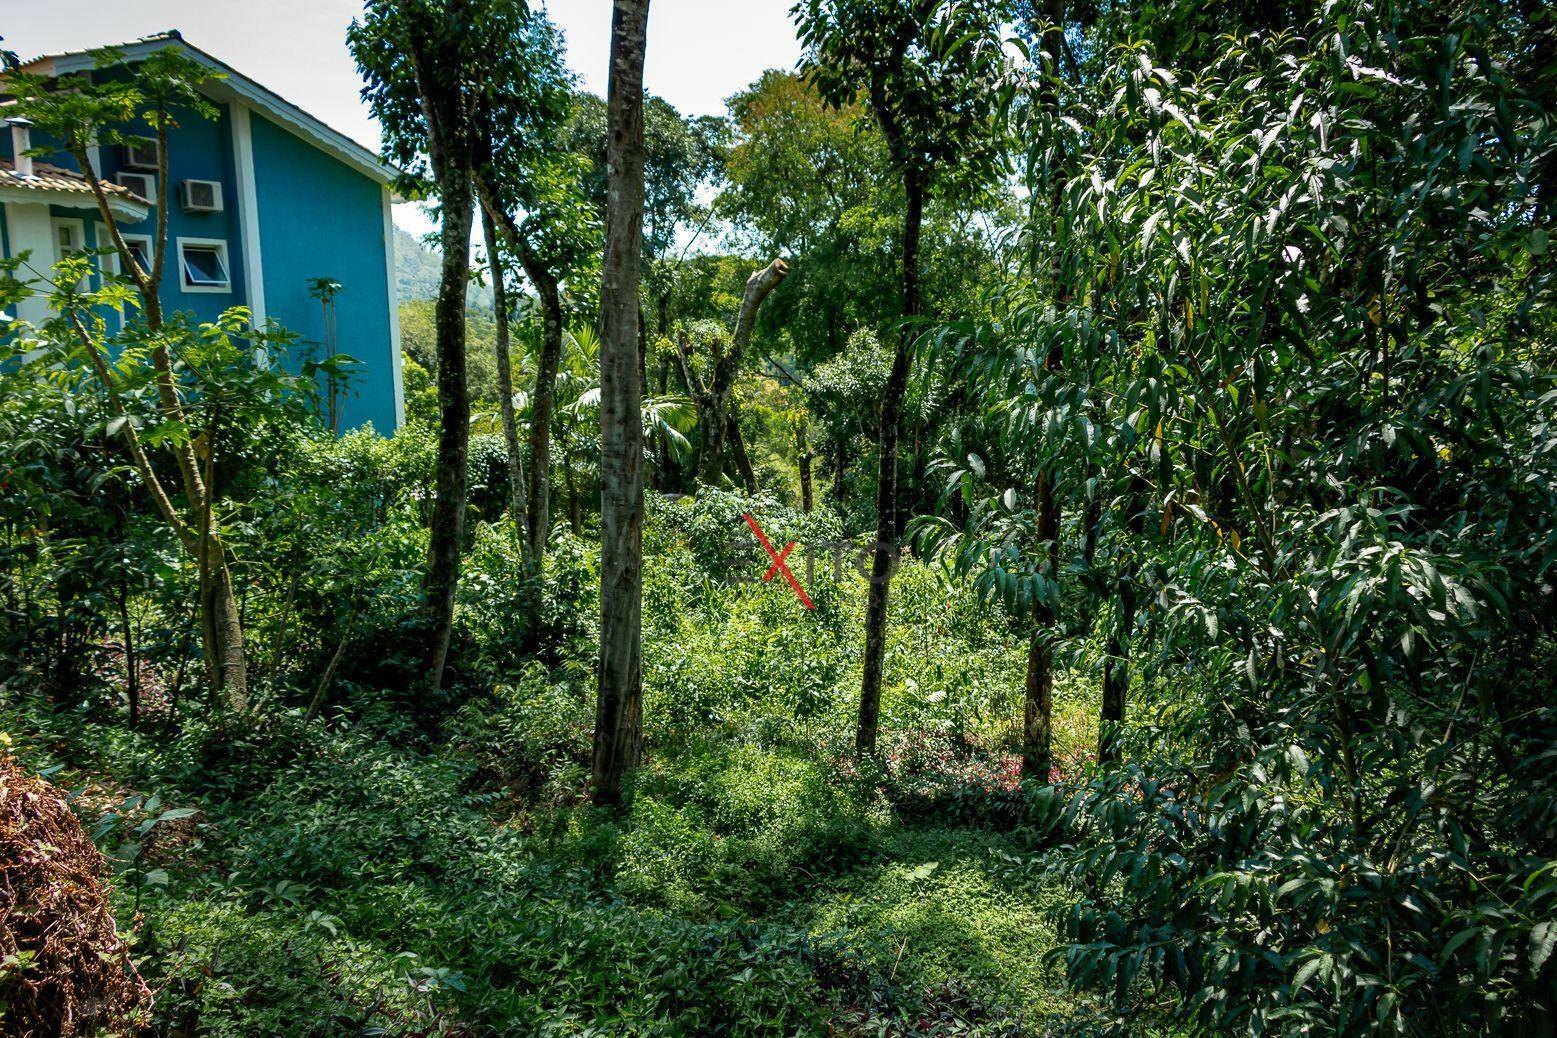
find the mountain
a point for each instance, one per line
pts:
(418, 270)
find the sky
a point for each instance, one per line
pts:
(699, 51)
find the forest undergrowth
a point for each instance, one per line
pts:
(359, 871)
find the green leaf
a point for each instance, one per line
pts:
(1542, 939)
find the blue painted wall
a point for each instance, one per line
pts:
(198, 149)
(319, 217)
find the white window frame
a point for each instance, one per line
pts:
(220, 245)
(78, 226)
(111, 262)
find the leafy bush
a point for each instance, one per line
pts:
(528, 735)
(726, 829)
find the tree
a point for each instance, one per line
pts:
(717, 421)
(619, 706)
(80, 114)
(527, 169)
(680, 155)
(1038, 692)
(426, 66)
(927, 70)
(809, 180)
(518, 498)
(1306, 376)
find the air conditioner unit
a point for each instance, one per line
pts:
(140, 155)
(201, 196)
(143, 185)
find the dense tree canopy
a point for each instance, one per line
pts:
(1178, 380)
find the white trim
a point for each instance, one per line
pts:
(219, 244)
(78, 227)
(75, 224)
(393, 300)
(111, 260)
(120, 206)
(248, 212)
(235, 85)
(29, 228)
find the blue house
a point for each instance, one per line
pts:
(261, 200)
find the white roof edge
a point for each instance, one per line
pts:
(250, 92)
(120, 206)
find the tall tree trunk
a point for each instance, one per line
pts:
(738, 454)
(1116, 687)
(619, 704)
(221, 626)
(517, 495)
(803, 455)
(575, 519)
(447, 529)
(716, 408)
(840, 466)
(132, 683)
(1038, 706)
(1116, 670)
(668, 476)
(886, 488)
(544, 401)
(548, 290)
(1038, 703)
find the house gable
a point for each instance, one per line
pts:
(320, 217)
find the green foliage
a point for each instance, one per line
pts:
(924, 68)
(1274, 315)
(723, 830)
(681, 153)
(1300, 429)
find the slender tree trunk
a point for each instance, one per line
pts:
(738, 453)
(1116, 687)
(803, 455)
(1038, 706)
(278, 646)
(886, 489)
(544, 400)
(232, 667)
(222, 622)
(619, 707)
(716, 417)
(447, 529)
(669, 475)
(840, 466)
(328, 677)
(221, 625)
(1038, 703)
(132, 684)
(505, 388)
(575, 520)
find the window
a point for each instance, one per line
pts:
(67, 236)
(140, 248)
(202, 265)
(69, 239)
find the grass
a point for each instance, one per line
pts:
(358, 875)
